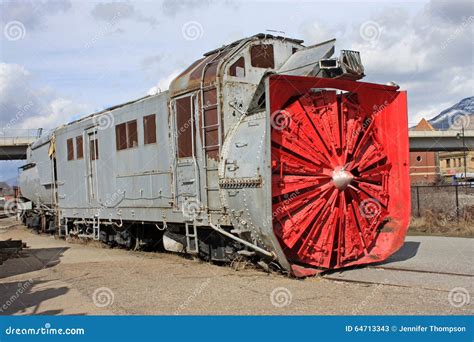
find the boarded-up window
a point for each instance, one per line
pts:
(262, 56)
(94, 148)
(132, 135)
(79, 147)
(126, 135)
(70, 149)
(149, 129)
(238, 68)
(121, 136)
(184, 127)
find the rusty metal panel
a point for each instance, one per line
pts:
(79, 147)
(212, 140)
(191, 79)
(210, 117)
(184, 127)
(149, 129)
(210, 97)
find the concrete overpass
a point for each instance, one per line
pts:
(13, 143)
(441, 141)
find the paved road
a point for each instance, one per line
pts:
(440, 263)
(57, 277)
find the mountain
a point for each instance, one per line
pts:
(455, 117)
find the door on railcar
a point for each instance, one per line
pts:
(186, 175)
(92, 157)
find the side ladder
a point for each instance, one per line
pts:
(192, 242)
(210, 128)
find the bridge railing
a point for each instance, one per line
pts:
(13, 136)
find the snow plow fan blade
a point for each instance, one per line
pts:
(340, 172)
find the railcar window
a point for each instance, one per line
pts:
(238, 68)
(70, 149)
(132, 135)
(79, 147)
(94, 148)
(149, 129)
(121, 136)
(126, 135)
(184, 123)
(261, 56)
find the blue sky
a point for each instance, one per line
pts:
(64, 59)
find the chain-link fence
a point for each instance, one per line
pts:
(448, 202)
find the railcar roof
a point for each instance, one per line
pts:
(190, 79)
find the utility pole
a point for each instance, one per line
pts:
(464, 150)
(465, 154)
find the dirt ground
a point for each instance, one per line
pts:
(53, 277)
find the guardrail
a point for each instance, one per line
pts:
(18, 136)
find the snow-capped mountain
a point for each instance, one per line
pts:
(455, 117)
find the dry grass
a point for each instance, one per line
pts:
(436, 223)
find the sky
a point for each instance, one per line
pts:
(60, 60)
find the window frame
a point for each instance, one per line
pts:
(147, 139)
(124, 141)
(233, 72)
(79, 147)
(256, 63)
(129, 135)
(94, 148)
(186, 135)
(70, 149)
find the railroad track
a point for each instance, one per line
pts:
(427, 262)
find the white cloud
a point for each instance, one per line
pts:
(428, 52)
(57, 112)
(24, 105)
(164, 83)
(115, 11)
(32, 14)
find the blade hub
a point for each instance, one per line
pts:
(341, 178)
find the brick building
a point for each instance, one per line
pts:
(424, 166)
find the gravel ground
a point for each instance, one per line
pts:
(53, 276)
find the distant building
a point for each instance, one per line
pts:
(452, 165)
(424, 166)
